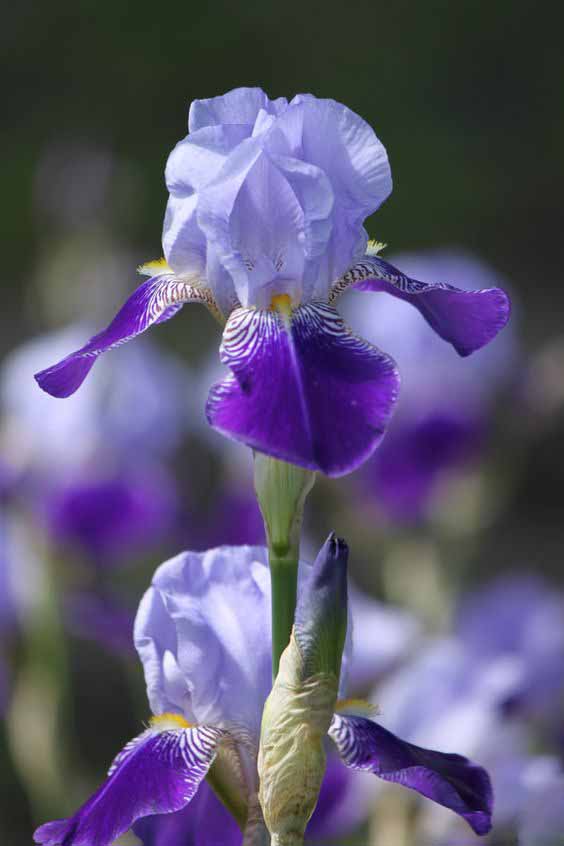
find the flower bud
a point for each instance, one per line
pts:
(300, 707)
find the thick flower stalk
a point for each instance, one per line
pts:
(264, 226)
(281, 491)
(303, 708)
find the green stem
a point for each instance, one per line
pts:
(284, 580)
(281, 490)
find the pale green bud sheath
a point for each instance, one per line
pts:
(300, 707)
(281, 491)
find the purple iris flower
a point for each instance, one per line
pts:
(477, 690)
(443, 416)
(203, 634)
(264, 226)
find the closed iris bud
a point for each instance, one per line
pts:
(298, 712)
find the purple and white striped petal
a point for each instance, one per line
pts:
(157, 772)
(303, 388)
(450, 780)
(156, 300)
(467, 319)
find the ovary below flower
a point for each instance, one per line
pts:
(264, 226)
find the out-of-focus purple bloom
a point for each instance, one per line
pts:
(202, 632)
(475, 690)
(383, 636)
(541, 818)
(264, 226)
(443, 416)
(235, 519)
(518, 621)
(94, 471)
(112, 516)
(137, 403)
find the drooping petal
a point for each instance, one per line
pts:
(450, 780)
(156, 300)
(467, 319)
(157, 772)
(305, 390)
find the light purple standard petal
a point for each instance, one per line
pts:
(203, 633)
(467, 319)
(305, 390)
(450, 780)
(156, 300)
(238, 106)
(157, 772)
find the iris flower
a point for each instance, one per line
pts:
(264, 226)
(203, 634)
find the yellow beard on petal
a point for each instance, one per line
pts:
(164, 722)
(154, 268)
(375, 247)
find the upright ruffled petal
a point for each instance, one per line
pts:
(203, 633)
(450, 780)
(238, 106)
(156, 773)
(303, 389)
(156, 300)
(467, 319)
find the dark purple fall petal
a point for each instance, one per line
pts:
(155, 773)
(154, 301)
(467, 319)
(204, 822)
(450, 780)
(306, 391)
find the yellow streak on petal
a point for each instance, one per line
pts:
(282, 303)
(162, 722)
(154, 268)
(356, 707)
